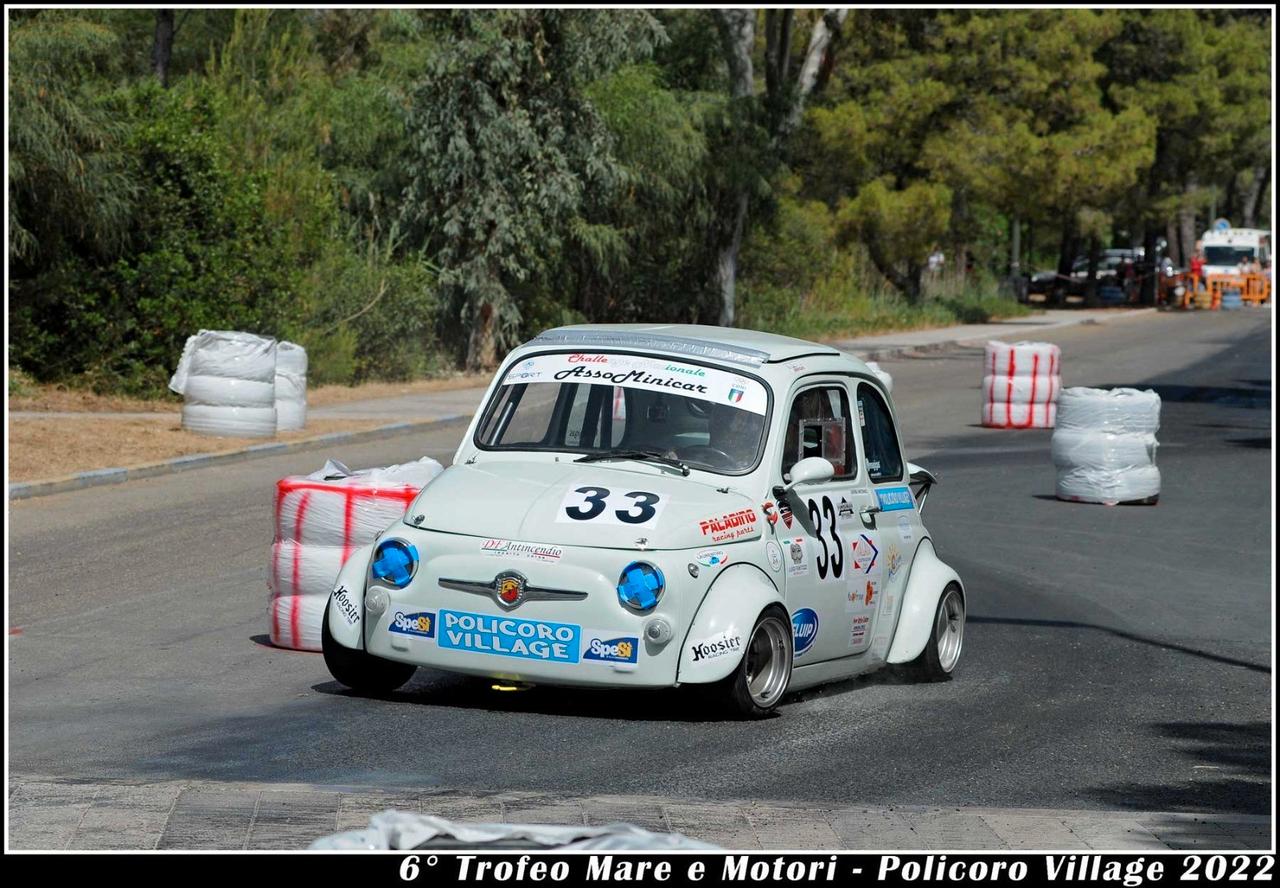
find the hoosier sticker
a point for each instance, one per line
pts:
(716, 647)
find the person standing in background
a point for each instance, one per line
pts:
(1197, 268)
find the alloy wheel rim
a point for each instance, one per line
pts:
(768, 656)
(949, 629)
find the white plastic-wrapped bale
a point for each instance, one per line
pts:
(1020, 385)
(882, 375)
(321, 519)
(291, 387)
(1104, 448)
(227, 380)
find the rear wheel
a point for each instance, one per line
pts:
(754, 689)
(360, 670)
(939, 658)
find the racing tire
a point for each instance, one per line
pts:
(946, 639)
(755, 688)
(359, 670)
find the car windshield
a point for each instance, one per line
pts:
(1227, 255)
(606, 402)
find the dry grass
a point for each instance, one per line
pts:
(60, 398)
(63, 399)
(341, 394)
(40, 449)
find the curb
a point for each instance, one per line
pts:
(120, 474)
(897, 351)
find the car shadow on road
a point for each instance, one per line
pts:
(1229, 770)
(1127, 636)
(432, 688)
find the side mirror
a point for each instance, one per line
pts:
(811, 470)
(922, 481)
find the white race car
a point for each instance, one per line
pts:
(643, 506)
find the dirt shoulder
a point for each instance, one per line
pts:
(325, 395)
(40, 449)
(64, 399)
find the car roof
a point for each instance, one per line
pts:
(765, 347)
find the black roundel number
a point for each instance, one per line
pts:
(640, 509)
(832, 558)
(593, 500)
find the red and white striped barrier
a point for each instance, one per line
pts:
(1020, 385)
(320, 520)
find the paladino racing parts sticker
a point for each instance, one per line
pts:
(731, 526)
(649, 374)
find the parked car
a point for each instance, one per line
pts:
(1110, 272)
(649, 506)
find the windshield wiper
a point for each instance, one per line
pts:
(646, 455)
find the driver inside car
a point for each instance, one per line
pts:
(736, 433)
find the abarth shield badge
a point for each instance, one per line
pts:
(510, 589)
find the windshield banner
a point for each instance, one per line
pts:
(651, 374)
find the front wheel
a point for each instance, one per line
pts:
(754, 689)
(360, 670)
(939, 658)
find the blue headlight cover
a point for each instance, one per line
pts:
(641, 585)
(394, 562)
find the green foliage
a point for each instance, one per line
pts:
(69, 187)
(899, 225)
(504, 147)
(405, 190)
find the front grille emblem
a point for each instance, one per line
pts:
(510, 589)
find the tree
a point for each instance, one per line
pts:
(70, 186)
(162, 47)
(1207, 90)
(787, 88)
(899, 226)
(503, 147)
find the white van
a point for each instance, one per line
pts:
(1225, 250)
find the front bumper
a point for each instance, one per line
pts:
(588, 641)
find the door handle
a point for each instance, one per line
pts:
(869, 511)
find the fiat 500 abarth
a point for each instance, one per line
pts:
(650, 506)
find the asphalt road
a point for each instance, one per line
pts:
(1116, 658)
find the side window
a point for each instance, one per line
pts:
(879, 438)
(818, 425)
